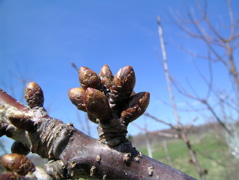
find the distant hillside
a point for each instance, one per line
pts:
(154, 137)
(207, 140)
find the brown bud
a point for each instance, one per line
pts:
(106, 76)
(137, 105)
(34, 95)
(97, 105)
(88, 78)
(17, 163)
(77, 97)
(124, 82)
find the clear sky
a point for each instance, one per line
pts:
(40, 39)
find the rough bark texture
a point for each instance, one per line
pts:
(71, 153)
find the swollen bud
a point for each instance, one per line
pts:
(17, 163)
(77, 97)
(34, 95)
(88, 78)
(97, 105)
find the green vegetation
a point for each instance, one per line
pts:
(212, 153)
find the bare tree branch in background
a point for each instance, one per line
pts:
(213, 39)
(182, 131)
(180, 128)
(165, 147)
(221, 48)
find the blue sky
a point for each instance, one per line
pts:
(39, 40)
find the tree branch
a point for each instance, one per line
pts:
(73, 154)
(181, 129)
